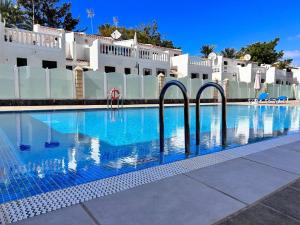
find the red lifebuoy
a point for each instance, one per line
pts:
(115, 94)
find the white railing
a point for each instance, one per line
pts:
(107, 49)
(153, 55)
(32, 38)
(116, 50)
(198, 61)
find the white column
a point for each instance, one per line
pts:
(125, 86)
(48, 85)
(142, 87)
(17, 82)
(105, 84)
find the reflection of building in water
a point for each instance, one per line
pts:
(215, 129)
(295, 118)
(268, 124)
(95, 150)
(242, 130)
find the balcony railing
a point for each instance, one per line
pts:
(32, 38)
(115, 50)
(198, 61)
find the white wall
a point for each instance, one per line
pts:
(23, 48)
(186, 65)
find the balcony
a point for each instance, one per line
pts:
(198, 61)
(128, 52)
(25, 37)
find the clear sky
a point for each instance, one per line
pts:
(192, 23)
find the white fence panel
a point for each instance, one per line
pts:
(61, 84)
(94, 85)
(32, 83)
(133, 86)
(7, 82)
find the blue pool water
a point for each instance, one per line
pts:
(46, 151)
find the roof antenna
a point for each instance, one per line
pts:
(116, 21)
(91, 15)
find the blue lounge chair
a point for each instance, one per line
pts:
(283, 99)
(263, 97)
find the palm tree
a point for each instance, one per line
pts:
(13, 15)
(229, 53)
(206, 50)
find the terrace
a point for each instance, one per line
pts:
(24, 37)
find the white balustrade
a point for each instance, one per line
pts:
(32, 38)
(198, 61)
(115, 50)
(107, 49)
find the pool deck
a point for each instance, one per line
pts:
(258, 188)
(80, 107)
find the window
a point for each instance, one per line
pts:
(278, 81)
(69, 67)
(204, 76)
(287, 83)
(158, 71)
(21, 62)
(49, 64)
(195, 75)
(127, 71)
(176, 55)
(172, 75)
(109, 69)
(225, 63)
(262, 81)
(147, 72)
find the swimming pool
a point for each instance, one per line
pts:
(46, 151)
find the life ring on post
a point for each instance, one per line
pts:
(115, 94)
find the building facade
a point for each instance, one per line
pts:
(54, 48)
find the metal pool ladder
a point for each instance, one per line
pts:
(223, 125)
(186, 113)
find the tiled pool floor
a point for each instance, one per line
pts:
(204, 195)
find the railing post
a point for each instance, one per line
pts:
(125, 86)
(105, 85)
(17, 82)
(142, 87)
(48, 84)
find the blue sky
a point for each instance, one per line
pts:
(190, 24)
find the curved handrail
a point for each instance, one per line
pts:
(186, 114)
(224, 126)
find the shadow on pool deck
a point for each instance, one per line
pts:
(257, 189)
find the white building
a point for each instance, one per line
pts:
(108, 55)
(54, 48)
(225, 68)
(192, 66)
(32, 48)
(245, 71)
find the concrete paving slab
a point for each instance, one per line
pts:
(279, 158)
(175, 200)
(286, 201)
(259, 215)
(243, 179)
(293, 146)
(73, 215)
(296, 184)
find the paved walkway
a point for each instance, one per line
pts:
(205, 196)
(77, 107)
